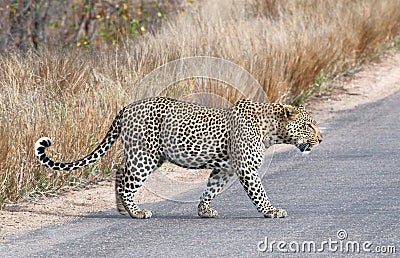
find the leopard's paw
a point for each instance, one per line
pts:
(141, 214)
(204, 211)
(275, 213)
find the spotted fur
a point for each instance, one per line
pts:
(227, 141)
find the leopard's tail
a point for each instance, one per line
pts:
(105, 145)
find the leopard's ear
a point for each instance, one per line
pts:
(290, 112)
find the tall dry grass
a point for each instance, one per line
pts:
(72, 95)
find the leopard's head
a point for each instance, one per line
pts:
(299, 128)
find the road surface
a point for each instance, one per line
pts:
(342, 198)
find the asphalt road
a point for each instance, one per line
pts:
(344, 196)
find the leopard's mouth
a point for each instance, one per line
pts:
(304, 147)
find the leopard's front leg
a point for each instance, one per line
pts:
(246, 163)
(255, 190)
(247, 153)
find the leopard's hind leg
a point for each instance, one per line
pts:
(119, 189)
(139, 166)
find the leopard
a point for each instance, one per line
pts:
(230, 142)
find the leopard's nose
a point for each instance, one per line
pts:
(319, 140)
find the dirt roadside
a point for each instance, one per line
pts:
(375, 82)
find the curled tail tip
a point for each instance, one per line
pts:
(43, 142)
(40, 145)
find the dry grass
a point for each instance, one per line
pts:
(72, 95)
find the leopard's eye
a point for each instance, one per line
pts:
(310, 127)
